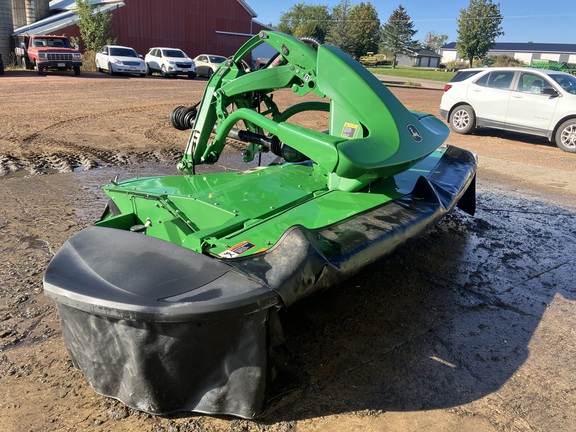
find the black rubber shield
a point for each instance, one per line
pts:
(163, 328)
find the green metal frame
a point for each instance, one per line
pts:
(365, 159)
(367, 122)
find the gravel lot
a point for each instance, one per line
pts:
(470, 327)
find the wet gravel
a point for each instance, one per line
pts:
(469, 327)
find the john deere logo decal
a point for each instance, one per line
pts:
(414, 133)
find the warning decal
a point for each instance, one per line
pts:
(239, 249)
(349, 130)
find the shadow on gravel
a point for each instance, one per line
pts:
(445, 321)
(513, 136)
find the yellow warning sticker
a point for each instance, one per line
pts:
(349, 130)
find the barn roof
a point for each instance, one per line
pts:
(61, 20)
(64, 15)
(58, 5)
(427, 53)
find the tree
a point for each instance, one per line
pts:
(478, 28)
(503, 60)
(365, 28)
(340, 32)
(94, 26)
(306, 20)
(434, 41)
(397, 34)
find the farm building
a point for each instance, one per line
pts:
(421, 58)
(195, 26)
(526, 52)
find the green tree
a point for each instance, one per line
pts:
(478, 28)
(434, 41)
(306, 20)
(503, 60)
(365, 28)
(340, 33)
(94, 26)
(398, 33)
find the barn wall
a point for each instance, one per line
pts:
(190, 25)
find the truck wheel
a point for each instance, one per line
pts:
(40, 70)
(76, 70)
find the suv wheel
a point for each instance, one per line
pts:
(463, 119)
(164, 72)
(565, 137)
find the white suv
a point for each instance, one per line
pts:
(170, 62)
(527, 100)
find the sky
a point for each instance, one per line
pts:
(538, 21)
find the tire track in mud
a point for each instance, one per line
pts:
(86, 118)
(79, 157)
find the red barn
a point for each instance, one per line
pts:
(195, 26)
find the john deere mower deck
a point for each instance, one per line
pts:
(169, 302)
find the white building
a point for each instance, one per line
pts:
(526, 52)
(421, 58)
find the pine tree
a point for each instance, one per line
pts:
(340, 33)
(397, 34)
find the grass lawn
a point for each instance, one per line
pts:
(414, 72)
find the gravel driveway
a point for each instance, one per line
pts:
(470, 327)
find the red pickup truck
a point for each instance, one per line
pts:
(48, 52)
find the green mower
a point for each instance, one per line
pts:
(169, 302)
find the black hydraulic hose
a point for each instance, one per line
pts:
(183, 117)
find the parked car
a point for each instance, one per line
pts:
(170, 62)
(531, 101)
(206, 64)
(116, 59)
(1, 65)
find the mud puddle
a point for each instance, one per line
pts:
(473, 321)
